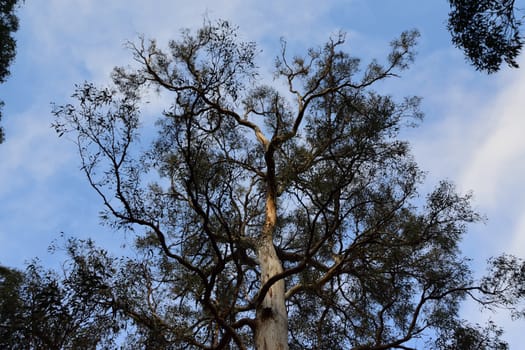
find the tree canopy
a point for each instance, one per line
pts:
(273, 216)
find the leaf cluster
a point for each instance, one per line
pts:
(487, 30)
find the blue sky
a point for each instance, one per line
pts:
(472, 133)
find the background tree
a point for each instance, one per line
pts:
(10, 303)
(8, 25)
(488, 31)
(40, 310)
(272, 216)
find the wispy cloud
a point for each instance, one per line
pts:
(496, 167)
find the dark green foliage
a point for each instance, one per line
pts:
(10, 303)
(40, 310)
(461, 335)
(8, 25)
(487, 30)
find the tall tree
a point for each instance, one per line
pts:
(8, 26)
(488, 31)
(272, 217)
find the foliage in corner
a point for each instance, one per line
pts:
(488, 31)
(8, 26)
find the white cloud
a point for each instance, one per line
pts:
(516, 245)
(31, 148)
(496, 168)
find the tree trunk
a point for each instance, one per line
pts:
(271, 320)
(271, 332)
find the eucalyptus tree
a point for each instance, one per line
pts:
(271, 216)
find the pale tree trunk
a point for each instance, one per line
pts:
(271, 332)
(271, 322)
